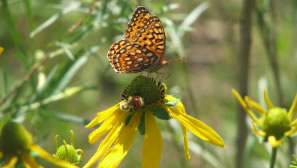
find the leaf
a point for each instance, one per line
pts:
(22, 55)
(171, 103)
(28, 7)
(71, 7)
(70, 73)
(193, 16)
(161, 113)
(141, 126)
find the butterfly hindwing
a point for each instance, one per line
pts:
(126, 57)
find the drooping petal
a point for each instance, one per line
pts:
(109, 140)
(274, 143)
(244, 106)
(184, 129)
(194, 125)
(186, 142)
(293, 108)
(152, 147)
(255, 105)
(105, 127)
(11, 162)
(256, 131)
(291, 131)
(122, 145)
(101, 116)
(29, 161)
(267, 100)
(46, 156)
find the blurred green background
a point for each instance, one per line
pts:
(76, 81)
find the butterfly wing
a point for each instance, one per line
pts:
(147, 31)
(126, 57)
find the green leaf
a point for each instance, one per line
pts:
(141, 126)
(71, 7)
(70, 73)
(22, 55)
(128, 119)
(161, 113)
(28, 7)
(172, 103)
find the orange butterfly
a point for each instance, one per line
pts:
(143, 47)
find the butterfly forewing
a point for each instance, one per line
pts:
(147, 31)
(143, 47)
(126, 57)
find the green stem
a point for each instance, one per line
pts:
(273, 157)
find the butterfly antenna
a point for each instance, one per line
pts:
(180, 60)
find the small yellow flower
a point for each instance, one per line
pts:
(1, 50)
(275, 123)
(143, 100)
(16, 142)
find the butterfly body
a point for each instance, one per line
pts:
(143, 47)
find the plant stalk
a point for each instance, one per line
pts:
(273, 157)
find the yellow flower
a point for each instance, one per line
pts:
(16, 142)
(143, 100)
(275, 123)
(1, 50)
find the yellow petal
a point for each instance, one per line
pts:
(244, 106)
(186, 143)
(267, 100)
(101, 116)
(11, 163)
(109, 140)
(1, 50)
(195, 126)
(293, 108)
(1, 154)
(105, 127)
(274, 143)
(256, 131)
(122, 145)
(152, 147)
(46, 156)
(255, 105)
(291, 131)
(184, 129)
(29, 161)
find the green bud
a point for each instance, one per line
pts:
(14, 138)
(276, 122)
(68, 153)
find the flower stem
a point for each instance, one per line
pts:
(273, 157)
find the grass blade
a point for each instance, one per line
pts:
(51, 20)
(15, 34)
(28, 7)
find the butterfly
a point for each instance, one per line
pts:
(143, 47)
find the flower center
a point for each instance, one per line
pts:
(14, 138)
(143, 92)
(276, 122)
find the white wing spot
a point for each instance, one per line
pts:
(138, 51)
(139, 59)
(149, 54)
